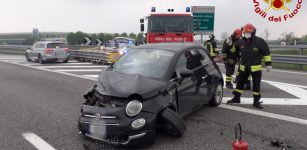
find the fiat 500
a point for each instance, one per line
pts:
(150, 89)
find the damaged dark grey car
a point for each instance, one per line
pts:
(149, 90)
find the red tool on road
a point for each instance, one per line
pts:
(239, 143)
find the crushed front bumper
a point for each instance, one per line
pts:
(112, 125)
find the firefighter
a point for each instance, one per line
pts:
(231, 55)
(253, 50)
(210, 44)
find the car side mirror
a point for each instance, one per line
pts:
(30, 48)
(186, 73)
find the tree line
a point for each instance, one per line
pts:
(77, 38)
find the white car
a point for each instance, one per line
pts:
(48, 51)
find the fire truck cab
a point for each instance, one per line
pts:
(169, 27)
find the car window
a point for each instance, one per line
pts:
(36, 45)
(189, 60)
(42, 45)
(181, 65)
(206, 58)
(56, 45)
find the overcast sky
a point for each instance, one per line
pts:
(123, 15)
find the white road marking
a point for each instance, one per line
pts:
(79, 70)
(296, 91)
(265, 114)
(92, 76)
(272, 101)
(75, 67)
(37, 142)
(286, 84)
(64, 73)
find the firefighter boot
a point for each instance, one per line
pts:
(229, 85)
(257, 102)
(247, 85)
(235, 99)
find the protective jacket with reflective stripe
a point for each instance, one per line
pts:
(211, 46)
(253, 51)
(230, 51)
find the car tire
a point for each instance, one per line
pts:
(27, 57)
(176, 123)
(65, 61)
(218, 96)
(40, 59)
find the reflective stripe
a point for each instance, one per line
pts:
(212, 50)
(256, 93)
(238, 91)
(249, 78)
(212, 54)
(256, 68)
(233, 49)
(267, 58)
(228, 79)
(242, 67)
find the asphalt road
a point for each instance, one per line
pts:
(48, 103)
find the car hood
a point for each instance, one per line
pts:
(123, 85)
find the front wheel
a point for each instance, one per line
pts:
(175, 122)
(27, 57)
(218, 96)
(40, 59)
(65, 61)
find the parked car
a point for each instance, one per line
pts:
(48, 51)
(148, 90)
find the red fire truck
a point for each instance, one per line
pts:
(169, 27)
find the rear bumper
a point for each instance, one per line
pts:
(114, 126)
(47, 57)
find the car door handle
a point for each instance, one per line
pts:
(204, 77)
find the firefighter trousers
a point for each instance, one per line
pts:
(230, 69)
(242, 79)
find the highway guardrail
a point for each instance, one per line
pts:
(104, 57)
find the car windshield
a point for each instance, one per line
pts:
(170, 24)
(56, 45)
(146, 62)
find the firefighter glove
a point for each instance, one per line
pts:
(268, 68)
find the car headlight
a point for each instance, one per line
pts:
(121, 52)
(138, 123)
(133, 108)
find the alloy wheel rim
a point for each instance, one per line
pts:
(218, 94)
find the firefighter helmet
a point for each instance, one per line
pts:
(249, 28)
(237, 33)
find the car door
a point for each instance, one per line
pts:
(187, 91)
(30, 51)
(208, 77)
(33, 53)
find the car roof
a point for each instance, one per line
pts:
(47, 42)
(176, 47)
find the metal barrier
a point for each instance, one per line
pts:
(104, 57)
(290, 59)
(95, 56)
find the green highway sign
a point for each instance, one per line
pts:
(203, 19)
